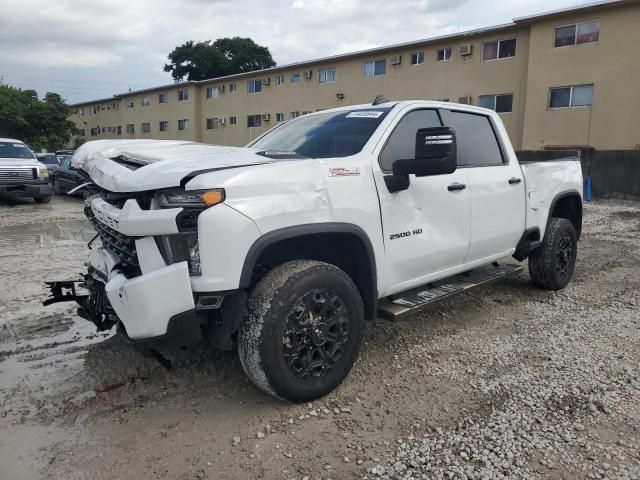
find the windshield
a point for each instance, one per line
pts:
(325, 135)
(14, 150)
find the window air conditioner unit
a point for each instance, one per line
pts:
(220, 119)
(266, 81)
(220, 88)
(308, 74)
(395, 59)
(266, 117)
(466, 50)
(465, 100)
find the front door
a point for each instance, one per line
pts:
(426, 227)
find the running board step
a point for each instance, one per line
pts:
(411, 301)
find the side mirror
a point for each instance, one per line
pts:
(435, 154)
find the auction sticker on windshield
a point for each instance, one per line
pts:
(365, 114)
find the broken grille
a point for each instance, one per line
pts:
(122, 246)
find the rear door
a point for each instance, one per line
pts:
(496, 186)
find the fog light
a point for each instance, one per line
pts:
(181, 247)
(194, 259)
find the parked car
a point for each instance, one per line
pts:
(66, 177)
(51, 160)
(324, 221)
(21, 174)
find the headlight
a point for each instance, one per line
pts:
(196, 198)
(43, 174)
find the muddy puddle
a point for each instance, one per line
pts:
(46, 234)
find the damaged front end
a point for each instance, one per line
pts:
(89, 294)
(140, 272)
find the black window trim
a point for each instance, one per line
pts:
(501, 147)
(437, 110)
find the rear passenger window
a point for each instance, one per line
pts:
(477, 142)
(402, 143)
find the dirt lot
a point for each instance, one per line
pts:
(504, 381)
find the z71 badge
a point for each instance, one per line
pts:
(394, 236)
(344, 172)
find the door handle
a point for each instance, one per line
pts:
(454, 187)
(514, 180)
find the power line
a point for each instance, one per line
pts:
(66, 81)
(63, 87)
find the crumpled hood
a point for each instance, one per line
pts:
(139, 165)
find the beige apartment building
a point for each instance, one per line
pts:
(562, 78)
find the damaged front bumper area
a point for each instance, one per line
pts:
(130, 283)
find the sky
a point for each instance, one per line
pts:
(89, 49)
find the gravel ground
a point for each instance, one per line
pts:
(502, 381)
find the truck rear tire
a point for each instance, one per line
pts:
(551, 265)
(301, 330)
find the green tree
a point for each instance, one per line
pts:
(41, 123)
(225, 56)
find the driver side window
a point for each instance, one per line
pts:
(402, 142)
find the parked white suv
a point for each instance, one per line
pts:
(324, 221)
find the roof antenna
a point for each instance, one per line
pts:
(379, 99)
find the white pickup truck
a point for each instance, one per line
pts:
(289, 244)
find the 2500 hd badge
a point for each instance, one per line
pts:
(394, 236)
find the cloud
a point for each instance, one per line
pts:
(127, 41)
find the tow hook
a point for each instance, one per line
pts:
(64, 291)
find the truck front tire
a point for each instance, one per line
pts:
(301, 331)
(551, 265)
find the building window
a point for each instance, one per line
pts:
(164, 126)
(498, 103)
(444, 54)
(295, 77)
(119, 129)
(130, 129)
(294, 114)
(327, 75)
(232, 120)
(130, 104)
(162, 98)
(145, 102)
(375, 68)
(183, 95)
(499, 49)
(254, 121)
(212, 92)
(212, 123)
(146, 127)
(232, 87)
(254, 86)
(82, 132)
(577, 34)
(573, 96)
(183, 124)
(279, 117)
(280, 79)
(417, 58)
